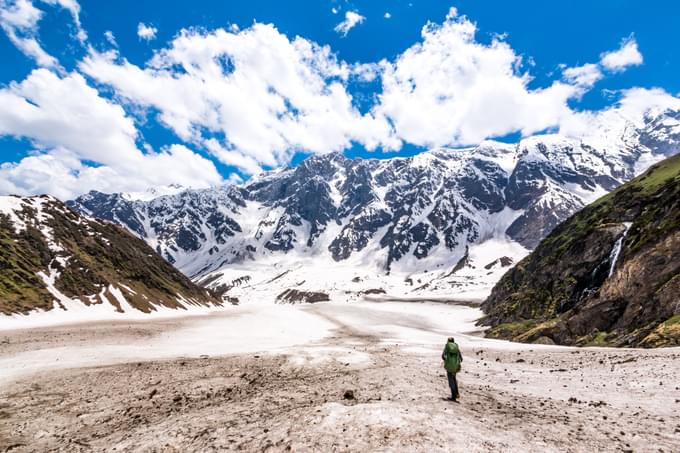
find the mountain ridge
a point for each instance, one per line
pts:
(400, 216)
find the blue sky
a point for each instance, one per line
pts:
(134, 76)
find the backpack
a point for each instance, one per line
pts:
(451, 358)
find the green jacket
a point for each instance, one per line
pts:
(452, 357)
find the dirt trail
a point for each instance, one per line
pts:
(354, 391)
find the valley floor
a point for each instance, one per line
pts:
(362, 376)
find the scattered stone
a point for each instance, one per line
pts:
(292, 296)
(597, 403)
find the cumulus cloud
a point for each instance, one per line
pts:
(627, 55)
(251, 98)
(584, 76)
(352, 19)
(587, 75)
(387, 15)
(146, 32)
(632, 107)
(68, 123)
(450, 89)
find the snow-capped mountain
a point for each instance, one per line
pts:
(447, 221)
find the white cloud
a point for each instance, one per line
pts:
(584, 76)
(73, 7)
(387, 15)
(334, 10)
(251, 98)
(587, 75)
(352, 19)
(631, 108)
(638, 102)
(68, 123)
(20, 14)
(146, 32)
(19, 20)
(452, 90)
(627, 55)
(111, 38)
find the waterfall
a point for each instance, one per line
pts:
(616, 251)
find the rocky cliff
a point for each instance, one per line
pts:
(609, 275)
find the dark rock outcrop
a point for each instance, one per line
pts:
(294, 296)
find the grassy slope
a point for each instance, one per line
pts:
(99, 254)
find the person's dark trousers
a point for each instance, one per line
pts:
(453, 384)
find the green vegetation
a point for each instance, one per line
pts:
(20, 288)
(599, 339)
(99, 254)
(666, 334)
(511, 329)
(659, 174)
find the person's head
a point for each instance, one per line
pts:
(450, 340)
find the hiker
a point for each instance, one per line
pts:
(452, 359)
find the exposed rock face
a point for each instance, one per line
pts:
(404, 213)
(52, 257)
(294, 296)
(608, 275)
(180, 226)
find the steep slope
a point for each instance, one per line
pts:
(427, 224)
(608, 275)
(53, 258)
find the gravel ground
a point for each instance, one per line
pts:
(353, 391)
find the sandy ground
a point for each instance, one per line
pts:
(367, 377)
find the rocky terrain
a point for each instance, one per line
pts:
(52, 258)
(610, 275)
(355, 390)
(399, 217)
